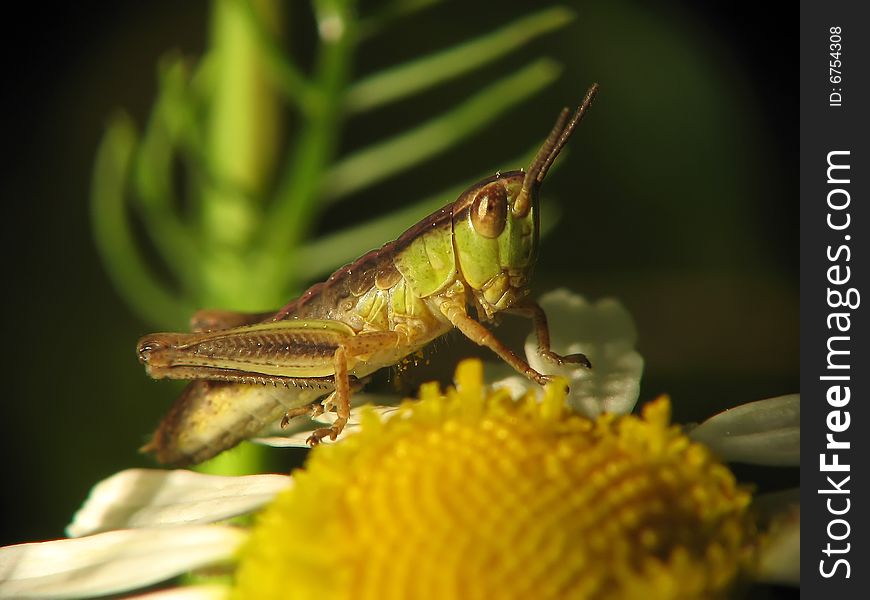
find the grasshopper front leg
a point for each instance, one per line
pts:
(479, 334)
(531, 309)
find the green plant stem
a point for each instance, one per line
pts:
(241, 132)
(284, 74)
(114, 237)
(242, 141)
(297, 193)
(152, 178)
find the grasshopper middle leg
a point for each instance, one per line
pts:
(342, 400)
(349, 351)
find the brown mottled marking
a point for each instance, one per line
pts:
(364, 282)
(387, 277)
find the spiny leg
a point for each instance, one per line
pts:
(533, 310)
(482, 336)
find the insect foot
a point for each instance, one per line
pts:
(319, 434)
(558, 359)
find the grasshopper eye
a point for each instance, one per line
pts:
(489, 211)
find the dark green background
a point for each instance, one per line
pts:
(678, 197)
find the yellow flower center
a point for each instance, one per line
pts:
(470, 494)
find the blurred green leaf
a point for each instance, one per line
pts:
(408, 149)
(391, 14)
(420, 74)
(114, 237)
(153, 176)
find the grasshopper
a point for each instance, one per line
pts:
(250, 370)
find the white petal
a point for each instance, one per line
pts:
(187, 592)
(605, 333)
(295, 440)
(307, 424)
(299, 439)
(516, 385)
(149, 497)
(766, 432)
(112, 562)
(383, 411)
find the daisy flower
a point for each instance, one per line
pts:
(468, 492)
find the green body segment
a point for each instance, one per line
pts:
(428, 263)
(478, 256)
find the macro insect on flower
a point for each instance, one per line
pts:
(250, 370)
(470, 491)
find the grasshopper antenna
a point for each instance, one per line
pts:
(553, 145)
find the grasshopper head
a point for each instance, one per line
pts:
(496, 223)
